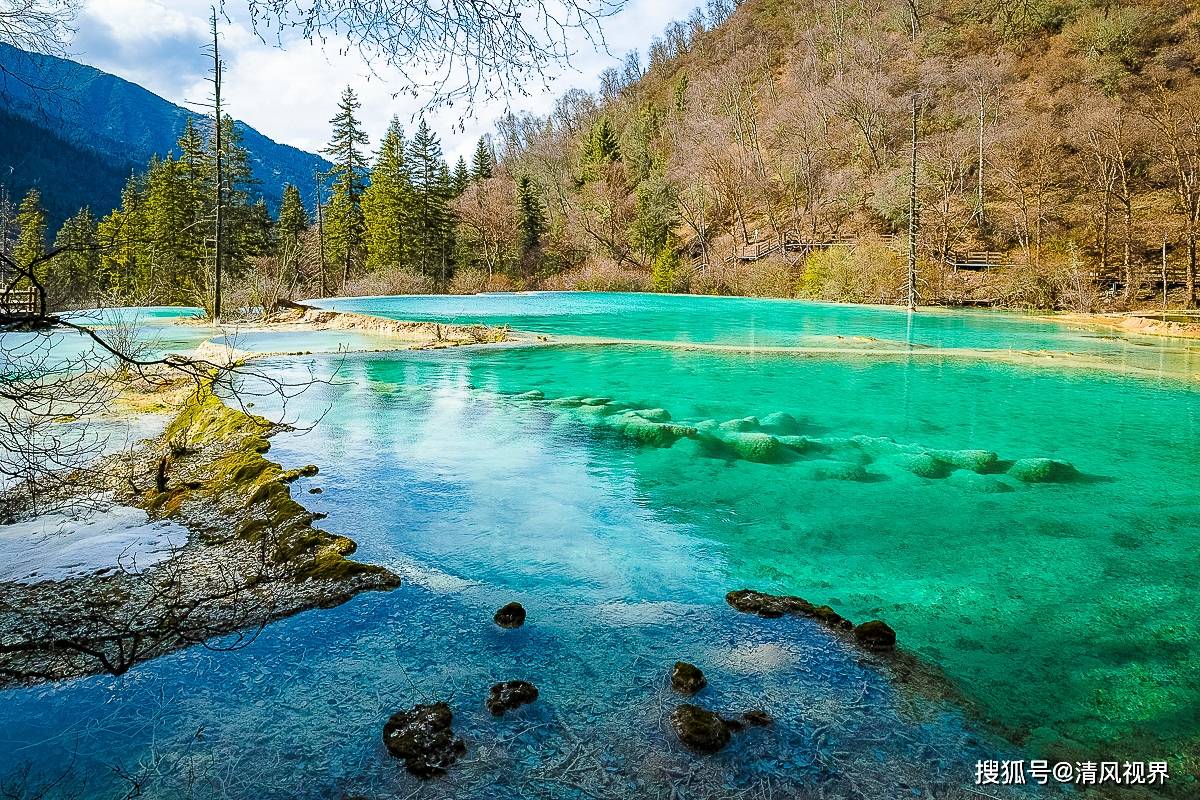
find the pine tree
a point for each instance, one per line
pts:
(599, 148)
(8, 221)
(344, 222)
(240, 182)
(293, 221)
(251, 233)
(125, 257)
(176, 242)
(386, 204)
(604, 146)
(664, 270)
(531, 219)
(445, 234)
(655, 216)
(679, 94)
(641, 140)
(31, 227)
(74, 271)
(482, 164)
(430, 216)
(461, 177)
(192, 146)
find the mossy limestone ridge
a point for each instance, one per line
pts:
(776, 438)
(251, 495)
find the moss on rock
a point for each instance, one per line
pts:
(973, 460)
(227, 447)
(923, 465)
(744, 425)
(1043, 470)
(755, 446)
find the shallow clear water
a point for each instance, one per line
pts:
(1064, 610)
(159, 330)
(305, 342)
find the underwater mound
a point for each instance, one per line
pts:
(776, 438)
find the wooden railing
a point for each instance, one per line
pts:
(20, 302)
(789, 241)
(1144, 275)
(977, 259)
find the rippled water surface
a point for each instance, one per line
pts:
(1063, 611)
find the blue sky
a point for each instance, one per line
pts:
(290, 93)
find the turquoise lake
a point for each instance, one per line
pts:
(850, 471)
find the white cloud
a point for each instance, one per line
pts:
(290, 93)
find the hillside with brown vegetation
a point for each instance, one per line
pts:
(768, 149)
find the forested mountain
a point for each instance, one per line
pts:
(71, 175)
(1041, 153)
(1058, 140)
(59, 119)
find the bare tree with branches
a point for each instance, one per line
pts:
(445, 50)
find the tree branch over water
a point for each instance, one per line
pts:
(49, 391)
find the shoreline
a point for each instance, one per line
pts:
(1137, 323)
(426, 335)
(1131, 322)
(251, 556)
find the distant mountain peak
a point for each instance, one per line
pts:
(76, 133)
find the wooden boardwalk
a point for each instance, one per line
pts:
(1144, 275)
(788, 242)
(792, 242)
(16, 303)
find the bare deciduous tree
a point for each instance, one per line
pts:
(445, 50)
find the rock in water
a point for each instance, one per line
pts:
(509, 695)
(1042, 470)
(758, 718)
(424, 739)
(772, 606)
(687, 678)
(876, 636)
(701, 730)
(780, 423)
(511, 616)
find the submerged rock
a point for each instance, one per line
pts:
(984, 484)
(424, 739)
(780, 423)
(571, 401)
(923, 465)
(973, 460)
(508, 695)
(510, 616)
(687, 678)
(1042, 470)
(658, 434)
(876, 636)
(753, 445)
(758, 718)
(772, 606)
(824, 469)
(701, 730)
